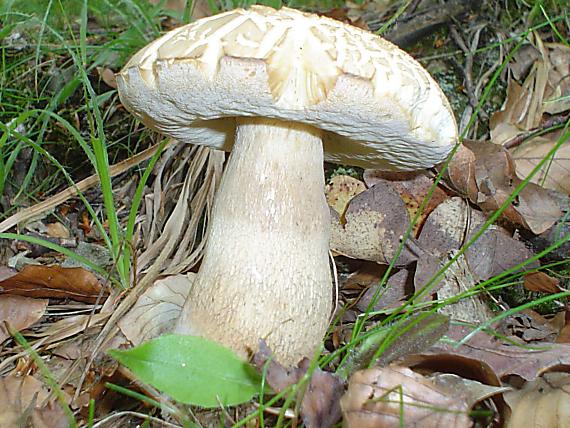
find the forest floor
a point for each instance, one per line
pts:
(451, 283)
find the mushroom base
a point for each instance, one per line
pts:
(265, 272)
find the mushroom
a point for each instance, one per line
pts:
(281, 89)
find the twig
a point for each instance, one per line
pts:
(549, 123)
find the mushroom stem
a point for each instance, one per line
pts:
(265, 272)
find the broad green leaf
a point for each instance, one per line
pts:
(192, 370)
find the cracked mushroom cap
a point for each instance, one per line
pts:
(376, 105)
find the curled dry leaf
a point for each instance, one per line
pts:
(57, 230)
(553, 175)
(22, 399)
(340, 190)
(375, 221)
(108, 76)
(488, 359)
(543, 403)
(396, 396)
(54, 282)
(496, 180)
(460, 173)
(542, 283)
(451, 225)
(320, 406)
(391, 295)
(20, 312)
(471, 390)
(528, 326)
(413, 188)
(157, 309)
(544, 92)
(485, 173)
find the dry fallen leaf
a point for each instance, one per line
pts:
(340, 190)
(21, 398)
(320, 406)
(454, 223)
(54, 282)
(392, 294)
(108, 76)
(20, 312)
(375, 221)
(412, 187)
(57, 230)
(554, 174)
(396, 396)
(484, 357)
(460, 173)
(528, 108)
(156, 310)
(485, 173)
(543, 403)
(542, 283)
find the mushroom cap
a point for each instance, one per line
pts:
(377, 106)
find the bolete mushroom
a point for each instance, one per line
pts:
(277, 88)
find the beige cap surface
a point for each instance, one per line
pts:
(378, 107)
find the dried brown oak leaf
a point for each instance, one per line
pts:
(485, 173)
(320, 406)
(396, 396)
(54, 282)
(486, 358)
(340, 190)
(496, 179)
(542, 283)
(454, 223)
(157, 309)
(20, 312)
(529, 109)
(543, 403)
(22, 398)
(412, 187)
(375, 220)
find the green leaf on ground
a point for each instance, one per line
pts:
(192, 370)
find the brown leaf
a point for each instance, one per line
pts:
(54, 282)
(471, 390)
(320, 407)
(542, 283)
(392, 294)
(340, 190)
(20, 312)
(157, 309)
(543, 403)
(108, 76)
(461, 173)
(528, 326)
(554, 174)
(412, 187)
(396, 396)
(484, 356)
(375, 221)
(485, 173)
(454, 223)
(495, 252)
(320, 404)
(21, 398)
(57, 230)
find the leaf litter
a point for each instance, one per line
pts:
(371, 218)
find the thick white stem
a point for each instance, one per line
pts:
(265, 272)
